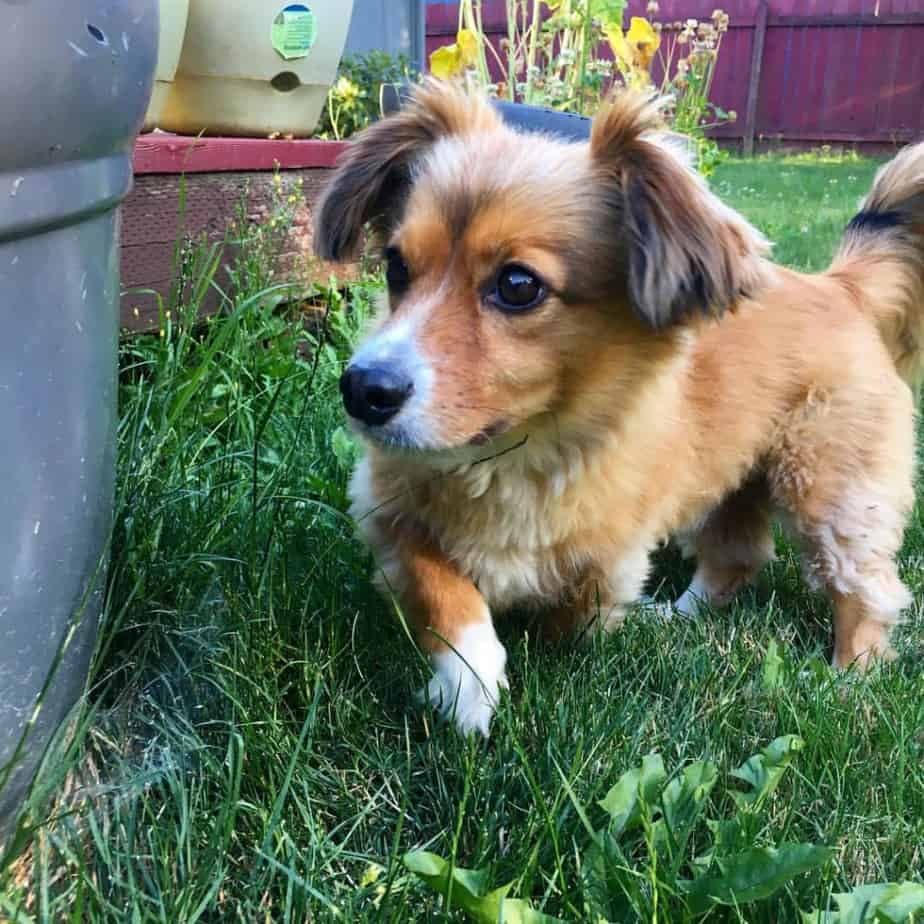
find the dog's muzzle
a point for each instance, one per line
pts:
(374, 394)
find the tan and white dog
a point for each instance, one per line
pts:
(586, 352)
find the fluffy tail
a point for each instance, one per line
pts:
(881, 259)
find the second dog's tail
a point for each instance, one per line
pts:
(881, 259)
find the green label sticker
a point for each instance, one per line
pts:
(294, 31)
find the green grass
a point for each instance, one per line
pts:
(250, 751)
(801, 204)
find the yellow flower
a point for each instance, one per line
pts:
(371, 875)
(467, 43)
(446, 62)
(644, 41)
(635, 49)
(346, 90)
(616, 38)
(452, 60)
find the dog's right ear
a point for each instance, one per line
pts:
(373, 179)
(685, 252)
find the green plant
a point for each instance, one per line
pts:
(355, 98)
(468, 890)
(690, 53)
(650, 855)
(879, 903)
(649, 861)
(553, 56)
(549, 56)
(253, 242)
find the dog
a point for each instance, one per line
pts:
(584, 352)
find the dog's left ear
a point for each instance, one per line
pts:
(684, 250)
(377, 172)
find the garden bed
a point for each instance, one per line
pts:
(195, 188)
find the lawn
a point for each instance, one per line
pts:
(250, 751)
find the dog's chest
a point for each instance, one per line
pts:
(513, 530)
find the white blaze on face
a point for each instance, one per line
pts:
(396, 346)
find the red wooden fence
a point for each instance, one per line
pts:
(798, 72)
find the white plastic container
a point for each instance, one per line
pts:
(173, 17)
(256, 67)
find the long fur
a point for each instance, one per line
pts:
(686, 252)
(674, 382)
(881, 259)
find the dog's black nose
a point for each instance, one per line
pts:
(374, 395)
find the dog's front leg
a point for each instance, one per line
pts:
(453, 625)
(599, 596)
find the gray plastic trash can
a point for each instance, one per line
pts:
(75, 78)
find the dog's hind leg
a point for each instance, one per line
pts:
(850, 552)
(846, 479)
(731, 547)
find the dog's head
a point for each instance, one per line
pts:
(529, 278)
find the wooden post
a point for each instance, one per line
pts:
(757, 62)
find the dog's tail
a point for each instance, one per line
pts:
(881, 259)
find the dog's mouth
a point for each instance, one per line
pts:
(393, 437)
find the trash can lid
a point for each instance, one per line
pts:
(75, 79)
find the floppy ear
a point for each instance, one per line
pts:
(685, 251)
(373, 179)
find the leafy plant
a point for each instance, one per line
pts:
(880, 903)
(643, 863)
(355, 98)
(549, 56)
(642, 858)
(467, 889)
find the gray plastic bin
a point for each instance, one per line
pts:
(75, 78)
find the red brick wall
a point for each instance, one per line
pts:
(153, 223)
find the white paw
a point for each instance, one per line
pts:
(687, 605)
(466, 682)
(692, 601)
(655, 609)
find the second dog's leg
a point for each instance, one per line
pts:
(731, 547)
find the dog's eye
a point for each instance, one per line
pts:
(517, 289)
(397, 274)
